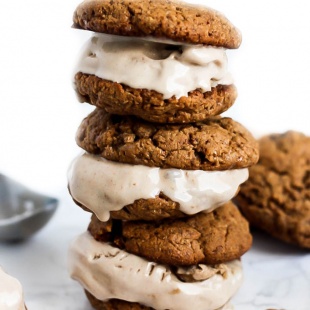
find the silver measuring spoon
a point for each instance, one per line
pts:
(22, 211)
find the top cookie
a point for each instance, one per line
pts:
(276, 198)
(160, 19)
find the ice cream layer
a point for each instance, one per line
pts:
(172, 70)
(103, 186)
(11, 293)
(108, 272)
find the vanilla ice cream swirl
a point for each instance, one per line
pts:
(108, 272)
(170, 69)
(104, 186)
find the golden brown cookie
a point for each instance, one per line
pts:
(114, 304)
(172, 20)
(214, 144)
(208, 238)
(147, 104)
(276, 198)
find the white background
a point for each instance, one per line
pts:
(39, 113)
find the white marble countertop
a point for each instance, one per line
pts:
(277, 276)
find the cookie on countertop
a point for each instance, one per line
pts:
(214, 144)
(172, 20)
(276, 198)
(209, 238)
(150, 105)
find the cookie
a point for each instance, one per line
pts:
(176, 21)
(276, 198)
(152, 209)
(150, 105)
(208, 238)
(214, 144)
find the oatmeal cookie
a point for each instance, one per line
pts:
(276, 198)
(149, 105)
(171, 20)
(214, 144)
(208, 238)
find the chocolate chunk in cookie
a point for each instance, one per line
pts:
(214, 144)
(276, 198)
(208, 238)
(160, 19)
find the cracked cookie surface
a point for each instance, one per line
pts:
(120, 99)
(208, 238)
(172, 20)
(214, 144)
(276, 197)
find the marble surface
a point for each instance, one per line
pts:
(277, 276)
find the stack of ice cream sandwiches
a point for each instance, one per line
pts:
(160, 165)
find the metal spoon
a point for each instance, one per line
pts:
(22, 211)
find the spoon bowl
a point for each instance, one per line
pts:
(22, 211)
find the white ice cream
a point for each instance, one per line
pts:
(108, 272)
(104, 186)
(11, 293)
(172, 70)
